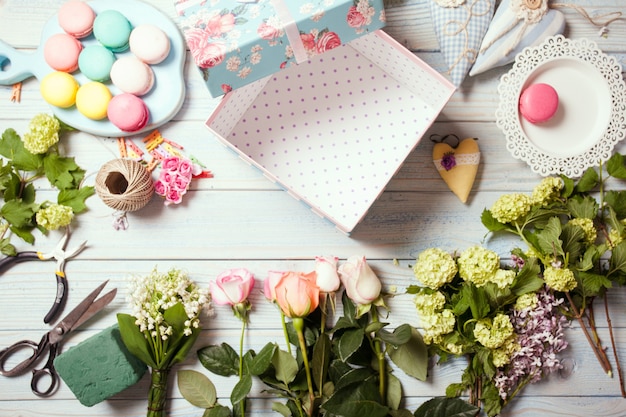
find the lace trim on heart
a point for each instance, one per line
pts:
(459, 159)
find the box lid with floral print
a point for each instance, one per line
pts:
(235, 43)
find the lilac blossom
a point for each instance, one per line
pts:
(540, 334)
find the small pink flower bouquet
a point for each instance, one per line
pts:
(175, 178)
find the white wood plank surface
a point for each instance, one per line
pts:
(240, 219)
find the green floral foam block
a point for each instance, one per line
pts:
(99, 367)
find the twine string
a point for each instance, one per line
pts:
(124, 185)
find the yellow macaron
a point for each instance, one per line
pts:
(92, 100)
(59, 89)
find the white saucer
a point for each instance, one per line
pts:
(588, 122)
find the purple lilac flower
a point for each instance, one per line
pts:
(541, 337)
(448, 161)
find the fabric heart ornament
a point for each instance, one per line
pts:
(517, 24)
(460, 26)
(458, 166)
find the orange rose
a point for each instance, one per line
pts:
(297, 294)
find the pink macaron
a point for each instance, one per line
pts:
(61, 52)
(128, 112)
(131, 75)
(76, 18)
(538, 103)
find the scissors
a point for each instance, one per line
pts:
(60, 255)
(50, 342)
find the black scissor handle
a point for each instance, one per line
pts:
(21, 367)
(20, 257)
(47, 372)
(60, 298)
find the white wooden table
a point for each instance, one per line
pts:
(240, 219)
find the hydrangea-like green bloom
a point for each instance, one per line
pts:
(510, 207)
(493, 333)
(503, 278)
(615, 238)
(547, 191)
(587, 225)
(43, 132)
(559, 279)
(434, 267)
(54, 216)
(526, 301)
(429, 303)
(478, 265)
(436, 325)
(503, 355)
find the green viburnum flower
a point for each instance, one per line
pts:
(493, 333)
(615, 238)
(436, 325)
(54, 216)
(429, 303)
(43, 132)
(510, 207)
(434, 267)
(547, 191)
(503, 278)
(526, 301)
(454, 348)
(478, 265)
(503, 355)
(559, 279)
(587, 225)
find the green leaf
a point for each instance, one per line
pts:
(353, 376)
(357, 400)
(490, 222)
(217, 411)
(12, 147)
(394, 391)
(134, 340)
(6, 248)
(400, 335)
(320, 360)
(286, 366)
(241, 389)
(615, 166)
(446, 407)
(527, 279)
(617, 201)
(349, 342)
(588, 181)
(618, 257)
(548, 238)
(585, 207)
(593, 284)
(59, 171)
(75, 198)
(263, 360)
(412, 356)
(281, 408)
(18, 213)
(179, 344)
(221, 360)
(196, 388)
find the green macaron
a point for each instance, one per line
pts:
(112, 29)
(95, 62)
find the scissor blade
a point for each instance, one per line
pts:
(98, 305)
(69, 322)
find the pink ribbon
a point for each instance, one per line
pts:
(291, 30)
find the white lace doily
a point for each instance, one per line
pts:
(590, 120)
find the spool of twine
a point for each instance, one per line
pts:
(124, 184)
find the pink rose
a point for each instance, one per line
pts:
(226, 88)
(361, 283)
(206, 54)
(327, 41)
(308, 40)
(232, 286)
(170, 163)
(267, 32)
(167, 177)
(173, 196)
(185, 167)
(220, 24)
(160, 187)
(327, 276)
(354, 18)
(297, 294)
(181, 183)
(269, 285)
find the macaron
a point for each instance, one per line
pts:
(92, 100)
(76, 18)
(59, 89)
(128, 112)
(149, 43)
(112, 29)
(538, 103)
(61, 51)
(95, 62)
(131, 75)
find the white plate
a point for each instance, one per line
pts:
(163, 101)
(589, 120)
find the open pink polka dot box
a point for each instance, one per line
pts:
(333, 130)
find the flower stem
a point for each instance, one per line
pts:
(614, 346)
(380, 355)
(157, 394)
(243, 331)
(285, 333)
(298, 324)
